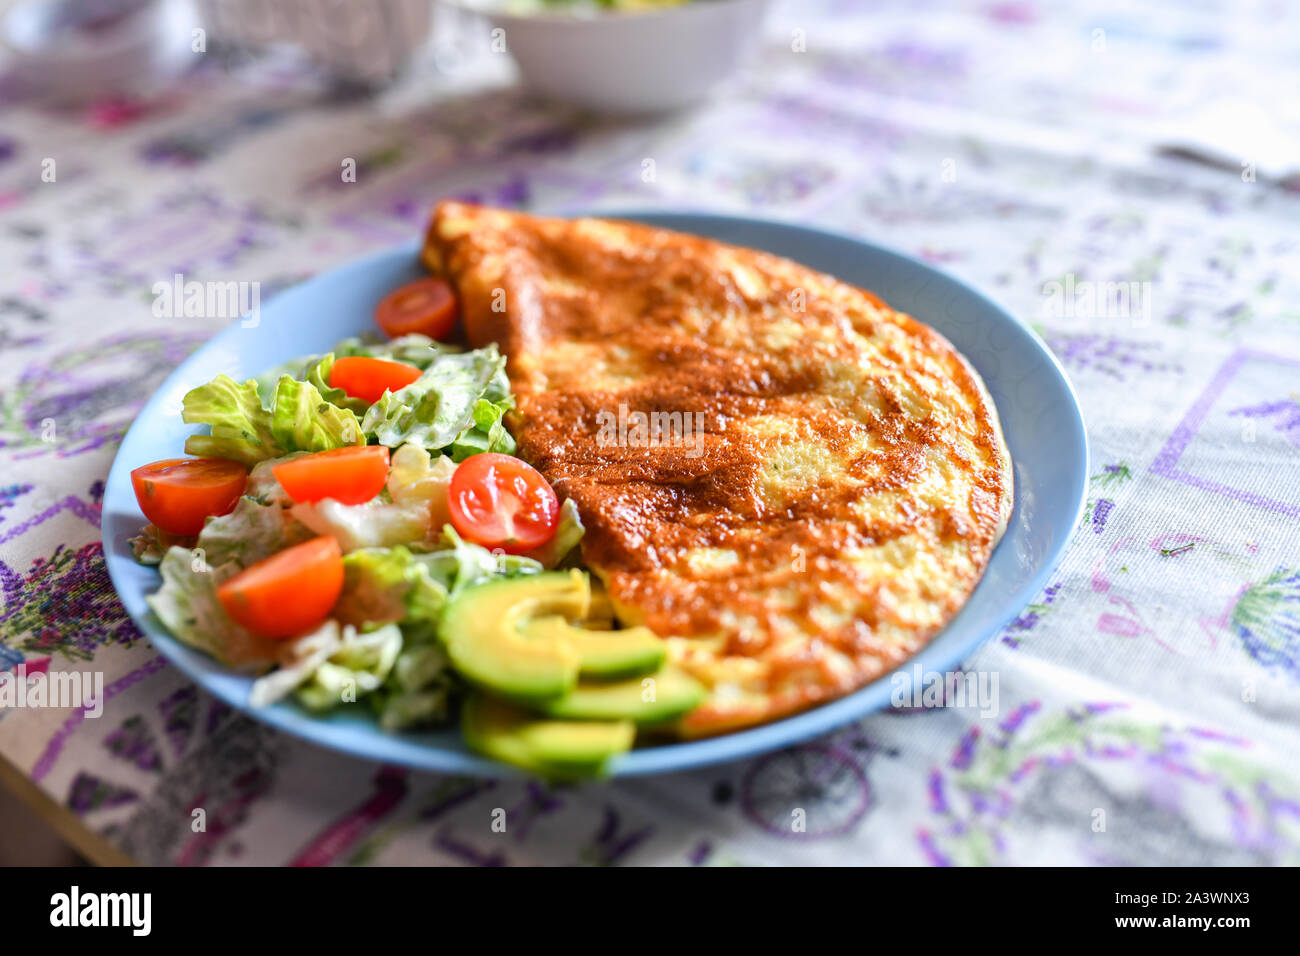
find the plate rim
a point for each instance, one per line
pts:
(406, 749)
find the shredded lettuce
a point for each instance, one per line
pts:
(457, 404)
(418, 689)
(462, 564)
(149, 546)
(338, 664)
(359, 666)
(386, 586)
(567, 535)
(249, 533)
(415, 475)
(297, 418)
(383, 586)
(263, 485)
(298, 663)
(375, 524)
(187, 604)
(418, 350)
(413, 513)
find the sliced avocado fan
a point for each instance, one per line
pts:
(558, 693)
(513, 636)
(554, 749)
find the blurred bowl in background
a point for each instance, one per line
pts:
(364, 41)
(627, 61)
(74, 52)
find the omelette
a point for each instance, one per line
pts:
(791, 483)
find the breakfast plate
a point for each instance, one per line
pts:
(1039, 414)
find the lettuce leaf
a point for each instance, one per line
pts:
(303, 421)
(241, 427)
(488, 433)
(318, 375)
(296, 418)
(456, 404)
(335, 664)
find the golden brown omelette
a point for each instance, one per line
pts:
(793, 484)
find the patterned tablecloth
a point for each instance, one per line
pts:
(1149, 698)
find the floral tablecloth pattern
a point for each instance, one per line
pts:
(1149, 698)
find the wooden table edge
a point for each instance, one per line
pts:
(60, 819)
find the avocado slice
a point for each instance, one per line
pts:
(605, 655)
(513, 636)
(554, 749)
(485, 640)
(674, 693)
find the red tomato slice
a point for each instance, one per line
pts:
(351, 475)
(368, 378)
(426, 306)
(501, 502)
(289, 593)
(179, 493)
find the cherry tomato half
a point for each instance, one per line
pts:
(427, 306)
(501, 502)
(368, 378)
(289, 593)
(179, 493)
(351, 475)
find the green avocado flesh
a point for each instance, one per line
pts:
(560, 690)
(513, 636)
(554, 749)
(604, 654)
(654, 699)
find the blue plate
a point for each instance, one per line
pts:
(1039, 412)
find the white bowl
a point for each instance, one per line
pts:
(641, 61)
(58, 60)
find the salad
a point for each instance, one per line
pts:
(356, 529)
